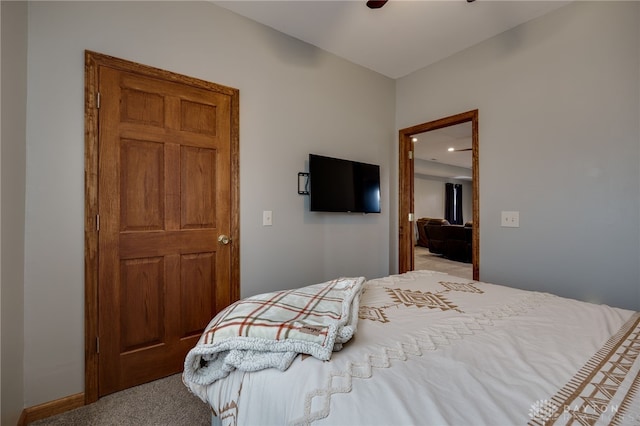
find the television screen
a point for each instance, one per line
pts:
(338, 185)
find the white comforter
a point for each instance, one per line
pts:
(433, 349)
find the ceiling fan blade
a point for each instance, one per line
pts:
(376, 4)
(464, 149)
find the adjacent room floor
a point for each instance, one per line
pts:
(423, 259)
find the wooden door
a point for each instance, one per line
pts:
(164, 201)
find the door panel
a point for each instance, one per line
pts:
(141, 303)
(165, 185)
(198, 179)
(197, 292)
(142, 108)
(141, 172)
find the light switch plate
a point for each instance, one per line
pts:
(510, 219)
(267, 218)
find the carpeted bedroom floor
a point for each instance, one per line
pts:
(164, 402)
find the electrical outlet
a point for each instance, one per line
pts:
(510, 219)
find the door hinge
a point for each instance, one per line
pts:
(410, 217)
(97, 222)
(97, 345)
(410, 155)
(98, 100)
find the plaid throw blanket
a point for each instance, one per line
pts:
(270, 330)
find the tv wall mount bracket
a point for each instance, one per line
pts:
(303, 178)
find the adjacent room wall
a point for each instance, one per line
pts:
(559, 141)
(294, 100)
(429, 189)
(429, 197)
(13, 82)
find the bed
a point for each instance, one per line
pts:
(422, 348)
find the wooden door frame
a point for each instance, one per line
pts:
(406, 233)
(93, 61)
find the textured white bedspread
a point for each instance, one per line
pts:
(433, 349)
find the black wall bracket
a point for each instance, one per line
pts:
(303, 178)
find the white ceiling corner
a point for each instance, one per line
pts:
(398, 39)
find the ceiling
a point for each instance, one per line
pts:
(434, 145)
(398, 39)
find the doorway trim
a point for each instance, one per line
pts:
(93, 61)
(406, 234)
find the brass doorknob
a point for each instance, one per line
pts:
(224, 240)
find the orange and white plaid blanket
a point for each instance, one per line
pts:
(271, 329)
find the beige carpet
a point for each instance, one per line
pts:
(164, 402)
(423, 259)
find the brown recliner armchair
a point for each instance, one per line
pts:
(457, 244)
(422, 235)
(435, 235)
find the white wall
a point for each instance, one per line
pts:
(294, 99)
(559, 141)
(12, 166)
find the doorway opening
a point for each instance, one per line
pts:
(408, 232)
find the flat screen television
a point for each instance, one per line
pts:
(337, 185)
